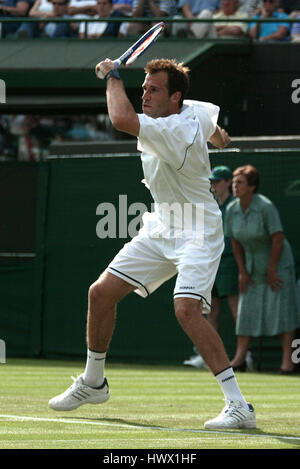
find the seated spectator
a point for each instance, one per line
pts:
(295, 31)
(230, 10)
(40, 9)
(227, 30)
(149, 8)
(193, 9)
(270, 31)
(45, 9)
(98, 29)
(11, 8)
(60, 10)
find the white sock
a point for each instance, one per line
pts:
(94, 370)
(230, 387)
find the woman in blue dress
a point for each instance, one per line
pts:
(267, 285)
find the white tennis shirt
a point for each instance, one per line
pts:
(177, 169)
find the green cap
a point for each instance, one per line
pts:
(221, 172)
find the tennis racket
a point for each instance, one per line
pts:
(139, 47)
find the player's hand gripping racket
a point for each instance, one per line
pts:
(138, 48)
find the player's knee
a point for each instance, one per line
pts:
(96, 292)
(186, 310)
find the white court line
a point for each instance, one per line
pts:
(143, 427)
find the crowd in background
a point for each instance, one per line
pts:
(124, 9)
(28, 137)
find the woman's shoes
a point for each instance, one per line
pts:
(241, 367)
(286, 372)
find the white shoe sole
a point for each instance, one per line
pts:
(241, 425)
(54, 406)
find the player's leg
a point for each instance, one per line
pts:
(203, 335)
(237, 412)
(104, 295)
(91, 387)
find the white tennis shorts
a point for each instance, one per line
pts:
(147, 262)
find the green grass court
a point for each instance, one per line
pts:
(151, 407)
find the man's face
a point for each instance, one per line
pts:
(269, 6)
(156, 99)
(60, 7)
(229, 7)
(104, 8)
(220, 187)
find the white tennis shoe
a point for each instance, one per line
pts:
(234, 415)
(196, 361)
(78, 394)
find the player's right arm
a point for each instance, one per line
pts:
(120, 110)
(220, 138)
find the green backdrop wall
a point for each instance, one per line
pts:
(44, 298)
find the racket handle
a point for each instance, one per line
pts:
(117, 63)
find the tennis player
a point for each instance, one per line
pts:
(186, 240)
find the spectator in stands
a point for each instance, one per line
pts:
(193, 9)
(149, 8)
(267, 301)
(229, 10)
(40, 9)
(13, 8)
(295, 31)
(60, 9)
(45, 9)
(98, 29)
(270, 31)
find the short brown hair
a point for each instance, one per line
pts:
(178, 75)
(250, 173)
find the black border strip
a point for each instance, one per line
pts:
(131, 278)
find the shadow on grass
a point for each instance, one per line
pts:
(255, 432)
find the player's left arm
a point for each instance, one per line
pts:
(121, 112)
(220, 138)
